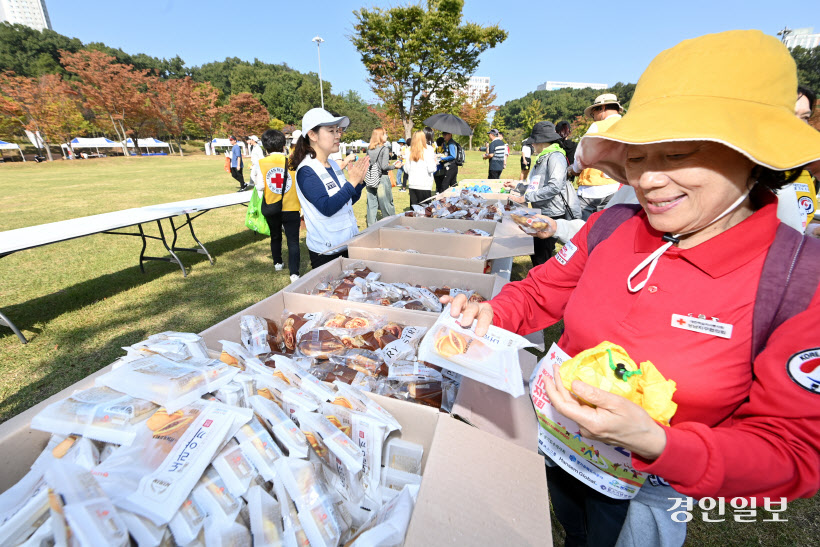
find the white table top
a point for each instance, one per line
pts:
(45, 234)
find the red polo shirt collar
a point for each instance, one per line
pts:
(725, 252)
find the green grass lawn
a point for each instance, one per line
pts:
(80, 301)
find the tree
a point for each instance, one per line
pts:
(121, 92)
(474, 110)
(176, 102)
(390, 123)
(533, 114)
(208, 117)
(808, 67)
(46, 104)
(417, 56)
(245, 115)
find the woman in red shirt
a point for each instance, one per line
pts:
(694, 146)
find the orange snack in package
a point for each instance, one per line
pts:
(607, 366)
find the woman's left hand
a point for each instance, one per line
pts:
(615, 420)
(517, 199)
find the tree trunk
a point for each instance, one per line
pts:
(48, 150)
(471, 142)
(179, 145)
(408, 129)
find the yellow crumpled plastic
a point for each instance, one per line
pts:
(649, 389)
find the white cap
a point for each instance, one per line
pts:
(319, 116)
(295, 135)
(254, 138)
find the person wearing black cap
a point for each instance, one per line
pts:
(547, 187)
(497, 154)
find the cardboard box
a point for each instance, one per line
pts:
(476, 489)
(435, 250)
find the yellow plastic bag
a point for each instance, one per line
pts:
(607, 366)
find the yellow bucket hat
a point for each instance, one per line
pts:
(737, 88)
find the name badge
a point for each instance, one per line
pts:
(701, 325)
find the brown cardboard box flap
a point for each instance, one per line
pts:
(480, 490)
(498, 413)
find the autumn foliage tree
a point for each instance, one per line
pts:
(475, 109)
(245, 115)
(177, 102)
(120, 92)
(387, 120)
(207, 116)
(46, 104)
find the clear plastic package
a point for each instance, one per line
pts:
(154, 475)
(491, 359)
(254, 334)
(98, 413)
(303, 379)
(259, 447)
(403, 456)
(89, 512)
(212, 495)
(187, 522)
(317, 513)
(266, 520)
(145, 532)
(388, 525)
(234, 468)
(281, 426)
(168, 383)
(350, 397)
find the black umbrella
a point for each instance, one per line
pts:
(448, 123)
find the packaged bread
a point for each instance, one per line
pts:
(99, 413)
(173, 345)
(607, 366)
(144, 532)
(187, 522)
(303, 379)
(317, 513)
(281, 426)
(168, 383)
(292, 530)
(259, 447)
(294, 325)
(350, 397)
(154, 475)
(211, 494)
(491, 359)
(388, 525)
(266, 520)
(89, 512)
(235, 468)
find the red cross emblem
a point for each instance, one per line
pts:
(681, 321)
(552, 355)
(278, 181)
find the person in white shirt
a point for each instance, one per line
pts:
(420, 166)
(257, 153)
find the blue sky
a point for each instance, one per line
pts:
(589, 41)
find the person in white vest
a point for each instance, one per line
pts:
(325, 195)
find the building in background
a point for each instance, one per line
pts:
(31, 13)
(803, 37)
(552, 86)
(477, 85)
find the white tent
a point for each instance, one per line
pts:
(210, 147)
(150, 142)
(359, 144)
(95, 143)
(11, 146)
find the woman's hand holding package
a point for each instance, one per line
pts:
(615, 420)
(357, 171)
(517, 199)
(549, 231)
(470, 311)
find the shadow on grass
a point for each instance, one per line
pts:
(27, 315)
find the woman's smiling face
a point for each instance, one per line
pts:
(683, 186)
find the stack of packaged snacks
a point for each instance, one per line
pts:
(467, 205)
(268, 454)
(354, 347)
(360, 284)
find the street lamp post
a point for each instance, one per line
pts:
(784, 34)
(319, 41)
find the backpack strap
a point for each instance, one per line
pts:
(787, 283)
(608, 222)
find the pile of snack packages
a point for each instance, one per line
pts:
(467, 205)
(360, 284)
(443, 230)
(529, 220)
(274, 441)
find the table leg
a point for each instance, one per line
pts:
(6, 321)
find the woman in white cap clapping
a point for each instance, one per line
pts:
(326, 196)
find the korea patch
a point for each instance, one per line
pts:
(804, 369)
(566, 253)
(275, 180)
(806, 204)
